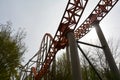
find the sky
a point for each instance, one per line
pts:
(38, 17)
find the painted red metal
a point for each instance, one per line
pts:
(69, 21)
(100, 11)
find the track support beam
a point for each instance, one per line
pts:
(107, 52)
(89, 62)
(76, 72)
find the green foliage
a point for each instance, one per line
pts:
(98, 60)
(11, 50)
(63, 71)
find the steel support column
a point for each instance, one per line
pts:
(54, 69)
(119, 67)
(76, 72)
(68, 54)
(68, 60)
(107, 52)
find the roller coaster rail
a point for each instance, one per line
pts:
(39, 65)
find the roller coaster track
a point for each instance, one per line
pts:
(39, 64)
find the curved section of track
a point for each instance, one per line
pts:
(72, 14)
(36, 62)
(50, 46)
(44, 48)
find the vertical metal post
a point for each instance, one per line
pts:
(54, 69)
(52, 73)
(119, 67)
(68, 54)
(68, 61)
(107, 52)
(76, 72)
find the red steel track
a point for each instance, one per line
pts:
(50, 46)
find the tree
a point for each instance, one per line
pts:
(12, 48)
(63, 71)
(96, 56)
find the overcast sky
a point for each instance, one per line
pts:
(40, 16)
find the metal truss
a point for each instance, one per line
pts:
(39, 64)
(69, 21)
(101, 10)
(30, 70)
